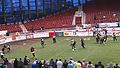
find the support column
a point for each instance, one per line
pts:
(51, 8)
(12, 7)
(21, 11)
(29, 14)
(72, 3)
(36, 6)
(78, 2)
(3, 11)
(44, 7)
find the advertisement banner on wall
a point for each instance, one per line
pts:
(13, 37)
(59, 33)
(2, 39)
(66, 34)
(72, 33)
(41, 34)
(3, 32)
(21, 37)
(5, 40)
(29, 36)
(113, 24)
(84, 33)
(51, 34)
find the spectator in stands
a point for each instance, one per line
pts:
(116, 66)
(20, 63)
(90, 65)
(95, 18)
(42, 28)
(5, 64)
(70, 65)
(78, 64)
(96, 65)
(26, 61)
(52, 63)
(118, 24)
(7, 34)
(65, 64)
(108, 66)
(73, 62)
(32, 29)
(114, 14)
(44, 64)
(104, 17)
(35, 63)
(59, 63)
(84, 63)
(40, 64)
(100, 65)
(15, 63)
(17, 33)
(56, 63)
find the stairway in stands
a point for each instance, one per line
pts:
(79, 18)
(24, 30)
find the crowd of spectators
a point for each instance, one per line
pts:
(54, 63)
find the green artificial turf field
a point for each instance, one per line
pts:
(109, 53)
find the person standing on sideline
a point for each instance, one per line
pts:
(82, 43)
(51, 64)
(20, 63)
(15, 63)
(90, 65)
(26, 62)
(114, 37)
(59, 64)
(65, 64)
(78, 64)
(5, 63)
(54, 39)
(70, 65)
(100, 65)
